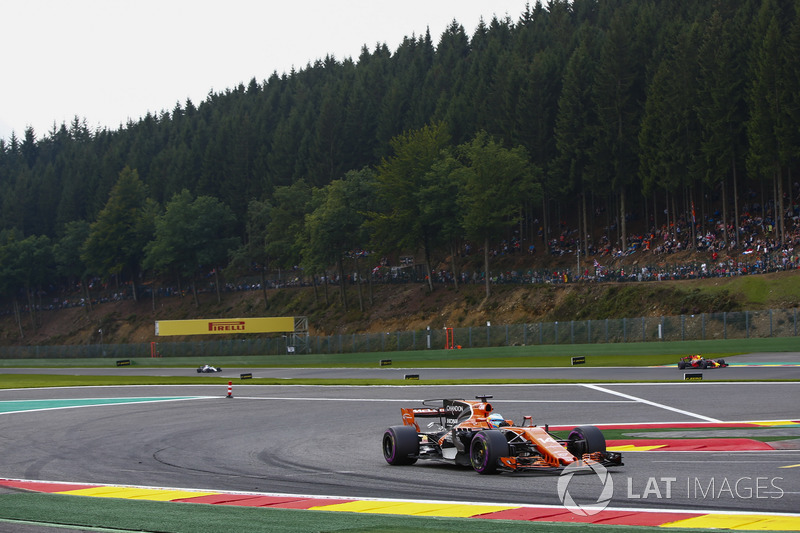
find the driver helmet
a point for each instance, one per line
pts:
(495, 420)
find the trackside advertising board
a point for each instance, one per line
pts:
(225, 326)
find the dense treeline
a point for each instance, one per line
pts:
(640, 110)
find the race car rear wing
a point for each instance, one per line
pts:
(411, 414)
(449, 414)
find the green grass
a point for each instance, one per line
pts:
(177, 518)
(400, 360)
(131, 515)
(597, 355)
(23, 381)
(760, 289)
(628, 354)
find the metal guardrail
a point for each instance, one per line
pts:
(704, 326)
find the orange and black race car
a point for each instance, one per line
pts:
(698, 361)
(470, 433)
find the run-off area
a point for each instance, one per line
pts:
(326, 441)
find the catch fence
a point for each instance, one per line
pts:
(703, 326)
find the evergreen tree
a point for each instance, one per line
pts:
(252, 254)
(720, 110)
(575, 131)
(115, 246)
(67, 255)
(440, 210)
(617, 102)
(400, 181)
(192, 236)
(335, 228)
(769, 126)
(669, 140)
(291, 204)
(29, 148)
(26, 264)
(491, 178)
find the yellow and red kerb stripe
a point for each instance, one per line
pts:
(628, 517)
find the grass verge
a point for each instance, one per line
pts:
(629, 354)
(24, 381)
(128, 515)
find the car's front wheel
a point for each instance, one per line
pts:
(401, 445)
(585, 439)
(486, 449)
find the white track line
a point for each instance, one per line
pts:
(109, 403)
(406, 400)
(648, 402)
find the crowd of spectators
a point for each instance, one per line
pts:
(757, 250)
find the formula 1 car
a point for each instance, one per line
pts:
(207, 369)
(469, 433)
(698, 361)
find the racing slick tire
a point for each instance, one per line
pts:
(486, 449)
(401, 445)
(681, 365)
(706, 364)
(585, 439)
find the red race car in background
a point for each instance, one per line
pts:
(698, 361)
(470, 433)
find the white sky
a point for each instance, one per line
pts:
(111, 60)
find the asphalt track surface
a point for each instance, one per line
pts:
(326, 441)
(766, 366)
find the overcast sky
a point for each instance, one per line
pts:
(109, 61)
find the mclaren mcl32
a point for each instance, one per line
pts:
(470, 433)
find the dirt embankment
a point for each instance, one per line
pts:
(410, 306)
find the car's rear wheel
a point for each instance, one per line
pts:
(401, 445)
(486, 449)
(585, 439)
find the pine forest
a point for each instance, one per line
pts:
(600, 126)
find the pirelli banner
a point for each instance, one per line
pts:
(225, 326)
